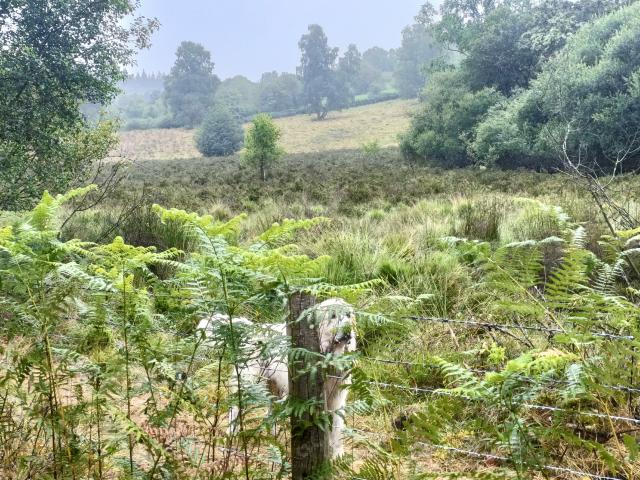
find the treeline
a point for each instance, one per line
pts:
(539, 84)
(324, 81)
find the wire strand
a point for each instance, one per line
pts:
(490, 456)
(483, 371)
(497, 326)
(531, 406)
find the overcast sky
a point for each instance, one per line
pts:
(248, 37)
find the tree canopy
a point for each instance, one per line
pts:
(323, 91)
(221, 133)
(56, 56)
(413, 58)
(586, 100)
(261, 144)
(191, 85)
(511, 47)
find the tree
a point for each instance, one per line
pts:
(584, 105)
(443, 128)
(191, 85)
(504, 43)
(417, 51)
(261, 144)
(239, 94)
(379, 59)
(323, 91)
(221, 133)
(350, 69)
(280, 92)
(55, 57)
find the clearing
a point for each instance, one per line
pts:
(344, 130)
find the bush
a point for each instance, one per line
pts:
(587, 95)
(221, 133)
(442, 129)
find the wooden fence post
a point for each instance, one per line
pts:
(309, 443)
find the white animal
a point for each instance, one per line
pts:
(336, 326)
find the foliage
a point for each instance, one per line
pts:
(142, 111)
(379, 59)
(323, 90)
(443, 128)
(191, 85)
(505, 43)
(221, 133)
(55, 57)
(350, 72)
(96, 339)
(593, 110)
(413, 58)
(239, 94)
(280, 92)
(69, 161)
(261, 142)
(503, 46)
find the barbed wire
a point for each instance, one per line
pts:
(490, 456)
(484, 372)
(511, 326)
(531, 406)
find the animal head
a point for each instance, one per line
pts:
(336, 326)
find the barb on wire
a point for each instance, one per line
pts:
(509, 326)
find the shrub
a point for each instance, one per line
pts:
(221, 134)
(586, 96)
(442, 129)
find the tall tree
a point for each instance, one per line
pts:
(280, 92)
(413, 57)
(379, 58)
(191, 85)
(55, 56)
(322, 89)
(349, 69)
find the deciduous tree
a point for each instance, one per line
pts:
(56, 56)
(221, 133)
(323, 91)
(261, 143)
(191, 85)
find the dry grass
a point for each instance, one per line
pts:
(344, 130)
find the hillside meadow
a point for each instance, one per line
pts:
(342, 130)
(483, 245)
(446, 287)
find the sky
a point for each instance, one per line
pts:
(249, 37)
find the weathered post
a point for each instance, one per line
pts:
(309, 442)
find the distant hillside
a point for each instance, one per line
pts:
(345, 130)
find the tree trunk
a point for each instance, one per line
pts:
(309, 442)
(263, 171)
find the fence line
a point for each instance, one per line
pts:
(511, 326)
(482, 371)
(489, 456)
(526, 405)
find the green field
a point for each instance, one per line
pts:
(441, 285)
(346, 129)
(470, 243)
